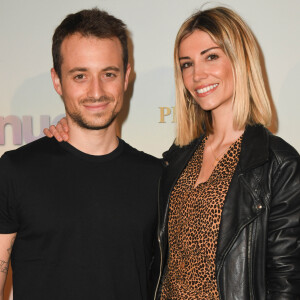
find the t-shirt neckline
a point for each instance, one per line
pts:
(96, 158)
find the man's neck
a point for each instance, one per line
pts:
(93, 142)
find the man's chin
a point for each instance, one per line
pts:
(103, 124)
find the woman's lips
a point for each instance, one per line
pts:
(206, 90)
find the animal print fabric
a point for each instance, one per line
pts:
(194, 220)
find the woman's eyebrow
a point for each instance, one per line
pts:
(206, 50)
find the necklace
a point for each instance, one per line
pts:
(217, 157)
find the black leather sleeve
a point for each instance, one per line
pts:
(283, 254)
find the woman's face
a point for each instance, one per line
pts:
(206, 71)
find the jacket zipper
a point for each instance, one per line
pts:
(228, 249)
(233, 241)
(160, 250)
(249, 261)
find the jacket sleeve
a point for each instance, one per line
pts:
(283, 252)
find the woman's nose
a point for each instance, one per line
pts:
(199, 72)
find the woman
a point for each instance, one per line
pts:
(230, 197)
(230, 194)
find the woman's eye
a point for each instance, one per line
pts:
(185, 65)
(212, 57)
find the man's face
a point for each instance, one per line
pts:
(92, 81)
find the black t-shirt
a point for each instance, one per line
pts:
(85, 224)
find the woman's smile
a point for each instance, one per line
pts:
(206, 90)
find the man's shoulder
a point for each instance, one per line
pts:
(137, 156)
(31, 151)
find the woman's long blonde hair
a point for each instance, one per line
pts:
(251, 104)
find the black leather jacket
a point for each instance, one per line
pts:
(258, 249)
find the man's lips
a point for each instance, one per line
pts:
(96, 106)
(206, 90)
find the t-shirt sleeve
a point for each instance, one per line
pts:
(8, 219)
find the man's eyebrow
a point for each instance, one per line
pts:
(111, 68)
(77, 69)
(80, 69)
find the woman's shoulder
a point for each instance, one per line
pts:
(260, 142)
(281, 149)
(175, 150)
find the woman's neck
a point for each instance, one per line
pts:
(224, 131)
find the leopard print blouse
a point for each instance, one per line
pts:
(194, 220)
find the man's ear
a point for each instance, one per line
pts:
(127, 73)
(56, 82)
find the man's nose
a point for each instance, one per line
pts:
(95, 88)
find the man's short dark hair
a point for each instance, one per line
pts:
(88, 22)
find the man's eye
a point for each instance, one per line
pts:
(79, 76)
(185, 65)
(212, 57)
(110, 75)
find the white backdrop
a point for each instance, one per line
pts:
(27, 96)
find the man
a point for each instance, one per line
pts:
(80, 216)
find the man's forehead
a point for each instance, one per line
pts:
(91, 52)
(80, 45)
(78, 37)
(77, 43)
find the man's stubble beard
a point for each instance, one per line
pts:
(79, 119)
